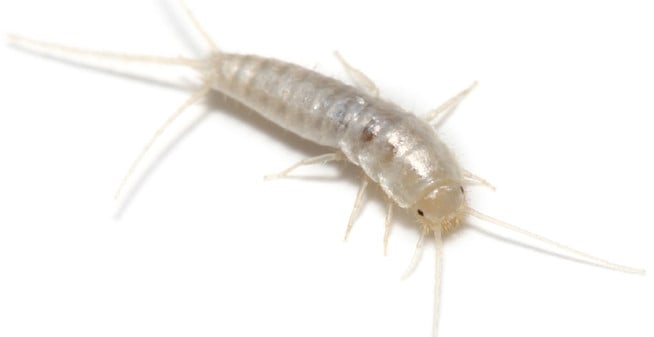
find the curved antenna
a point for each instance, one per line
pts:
(588, 257)
(438, 272)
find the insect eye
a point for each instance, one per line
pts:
(421, 213)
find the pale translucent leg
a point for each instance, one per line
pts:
(449, 105)
(325, 158)
(387, 225)
(198, 95)
(357, 205)
(472, 178)
(360, 79)
(417, 254)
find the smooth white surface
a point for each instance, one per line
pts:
(561, 123)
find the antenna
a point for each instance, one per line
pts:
(588, 257)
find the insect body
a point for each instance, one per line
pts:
(395, 149)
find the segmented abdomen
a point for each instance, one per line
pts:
(394, 148)
(307, 103)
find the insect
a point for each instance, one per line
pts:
(415, 169)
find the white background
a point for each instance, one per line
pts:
(202, 246)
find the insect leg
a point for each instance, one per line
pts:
(448, 106)
(417, 255)
(325, 158)
(387, 225)
(357, 205)
(475, 179)
(360, 79)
